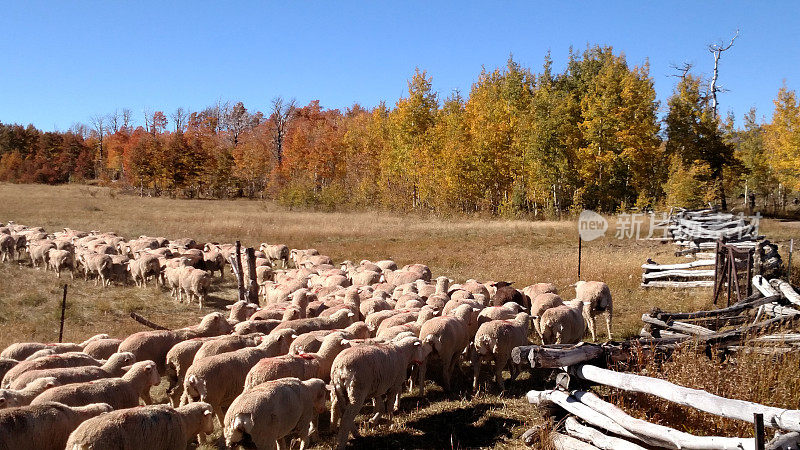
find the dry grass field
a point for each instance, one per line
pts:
(461, 248)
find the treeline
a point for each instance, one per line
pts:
(521, 143)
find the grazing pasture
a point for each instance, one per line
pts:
(457, 247)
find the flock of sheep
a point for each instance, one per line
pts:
(351, 334)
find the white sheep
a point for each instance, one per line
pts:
(218, 379)
(43, 427)
(542, 303)
(194, 283)
(10, 398)
(121, 392)
(22, 350)
(370, 371)
(154, 345)
(59, 260)
(303, 366)
(507, 311)
(564, 324)
(494, 341)
(274, 410)
(448, 337)
(113, 367)
(598, 295)
(71, 359)
(154, 427)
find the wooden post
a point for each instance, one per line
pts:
(759, 424)
(748, 284)
(252, 288)
(63, 311)
(579, 257)
(239, 274)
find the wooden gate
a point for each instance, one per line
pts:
(733, 272)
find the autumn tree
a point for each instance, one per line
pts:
(693, 134)
(408, 154)
(280, 115)
(782, 140)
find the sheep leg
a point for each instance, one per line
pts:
(421, 377)
(513, 371)
(336, 410)
(476, 370)
(380, 407)
(312, 432)
(347, 423)
(281, 442)
(498, 374)
(592, 327)
(607, 313)
(394, 398)
(448, 366)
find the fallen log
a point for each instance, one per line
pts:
(768, 351)
(695, 398)
(751, 302)
(680, 327)
(678, 284)
(566, 442)
(776, 310)
(787, 290)
(595, 412)
(698, 263)
(573, 406)
(677, 273)
(787, 441)
(764, 287)
(597, 437)
(146, 322)
(646, 430)
(782, 338)
(550, 357)
(715, 323)
(741, 334)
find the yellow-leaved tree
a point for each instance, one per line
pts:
(782, 139)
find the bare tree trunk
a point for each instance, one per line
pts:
(716, 50)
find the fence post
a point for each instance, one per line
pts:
(789, 262)
(239, 274)
(63, 311)
(252, 288)
(758, 418)
(579, 257)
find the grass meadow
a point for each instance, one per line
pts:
(459, 247)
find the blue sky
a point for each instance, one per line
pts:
(63, 62)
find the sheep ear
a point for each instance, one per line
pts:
(350, 314)
(329, 387)
(229, 307)
(345, 341)
(294, 336)
(417, 343)
(127, 368)
(206, 413)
